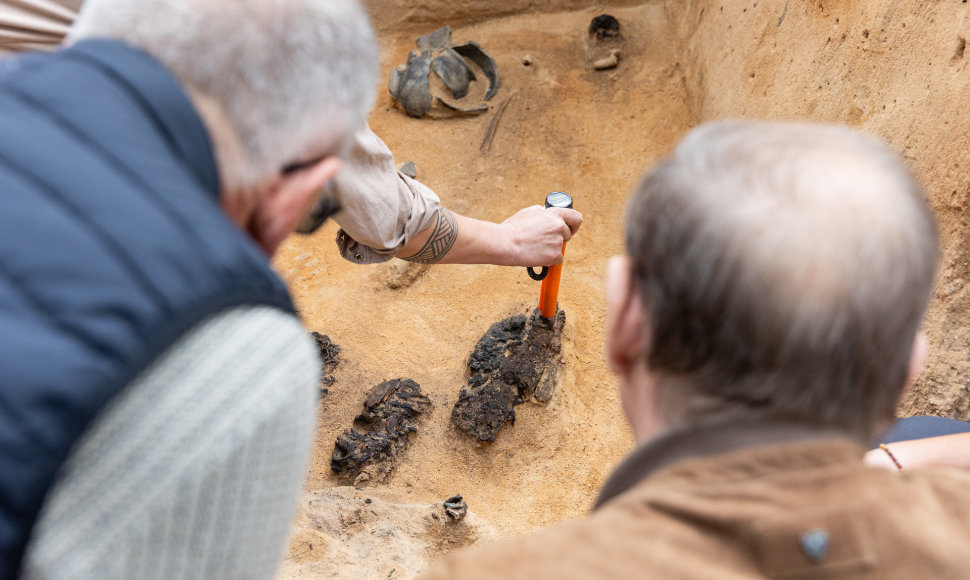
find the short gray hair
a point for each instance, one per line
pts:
(785, 269)
(295, 77)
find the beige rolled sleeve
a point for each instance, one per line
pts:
(35, 24)
(381, 208)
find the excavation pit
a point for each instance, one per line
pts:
(896, 70)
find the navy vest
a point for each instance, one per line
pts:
(112, 246)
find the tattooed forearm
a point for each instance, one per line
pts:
(442, 238)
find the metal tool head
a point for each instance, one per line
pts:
(559, 199)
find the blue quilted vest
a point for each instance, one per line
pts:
(112, 246)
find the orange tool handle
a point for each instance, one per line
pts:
(549, 293)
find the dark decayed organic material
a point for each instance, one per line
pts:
(516, 360)
(329, 353)
(390, 411)
(604, 26)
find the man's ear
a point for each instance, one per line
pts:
(625, 332)
(289, 199)
(917, 360)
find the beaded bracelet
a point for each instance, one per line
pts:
(885, 448)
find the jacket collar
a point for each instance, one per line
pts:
(704, 439)
(158, 92)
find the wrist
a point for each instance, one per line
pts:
(509, 245)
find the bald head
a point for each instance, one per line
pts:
(294, 78)
(785, 269)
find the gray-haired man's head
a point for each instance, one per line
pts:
(294, 78)
(783, 271)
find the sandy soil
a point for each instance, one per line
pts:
(892, 68)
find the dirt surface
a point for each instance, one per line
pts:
(890, 68)
(343, 532)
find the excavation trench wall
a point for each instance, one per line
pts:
(893, 69)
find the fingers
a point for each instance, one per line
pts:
(537, 234)
(572, 218)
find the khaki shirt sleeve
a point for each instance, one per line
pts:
(35, 24)
(382, 209)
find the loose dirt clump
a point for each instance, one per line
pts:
(387, 421)
(513, 362)
(400, 274)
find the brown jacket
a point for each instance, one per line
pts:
(747, 502)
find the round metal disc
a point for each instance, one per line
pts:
(559, 199)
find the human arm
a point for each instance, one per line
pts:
(532, 237)
(943, 451)
(387, 214)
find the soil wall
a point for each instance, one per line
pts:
(890, 68)
(396, 15)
